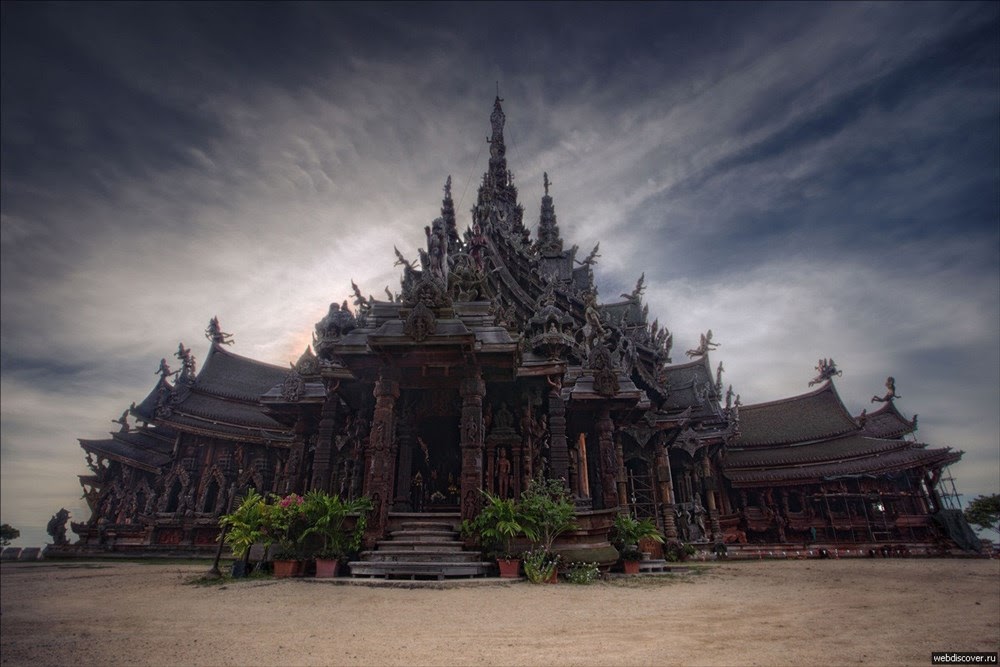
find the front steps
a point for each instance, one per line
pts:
(420, 546)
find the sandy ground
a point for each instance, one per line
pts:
(866, 612)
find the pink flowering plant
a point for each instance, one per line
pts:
(285, 523)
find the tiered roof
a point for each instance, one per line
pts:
(812, 437)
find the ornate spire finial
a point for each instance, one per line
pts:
(545, 181)
(549, 242)
(448, 215)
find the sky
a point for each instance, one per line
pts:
(806, 180)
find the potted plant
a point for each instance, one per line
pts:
(625, 535)
(243, 528)
(548, 512)
(325, 515)
(495, 527)
(284, 523)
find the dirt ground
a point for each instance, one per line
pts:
(865, 612)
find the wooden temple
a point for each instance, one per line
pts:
(495, 363)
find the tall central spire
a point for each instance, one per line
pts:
(497, 202)
(498, 151)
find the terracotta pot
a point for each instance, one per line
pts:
(631, 566)
(509, 567)
(326, 568)
(554, 579)
(287, 568)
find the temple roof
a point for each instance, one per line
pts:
(898, 459)
(818, 415)
(886, 422)
(839, 449)
(684, 381)
(231, 376)
(218, 410)
(124, 452)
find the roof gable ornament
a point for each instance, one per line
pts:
(827, 369)
(704, 346)
(890, 394)
(338, 321)
(215, 333)
(187, 375)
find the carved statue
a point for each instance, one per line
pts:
(594, 327)
(636, 295)
(503, 474)
(503, 419)
(890, 394)
(164, 370)
(123, 420)
(437, 250)
(57, 527)
(827, 369)
(704, 346)
(215, 333)
(591, 259)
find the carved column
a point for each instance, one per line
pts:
(404, 469)
(622, 488)
(713, 514)
(324, 443)
(472, 390)
(380, 468)
(296, 457)
(666, 483)
(609, 459)
(558, 450)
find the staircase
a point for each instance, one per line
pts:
(425, 545)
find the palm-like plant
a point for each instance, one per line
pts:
(326, 514)
(628, 530)
(497, 525)
(245, 524)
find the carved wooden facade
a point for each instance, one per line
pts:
(495, 363)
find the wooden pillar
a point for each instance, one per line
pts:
(404, 469)
(381, 464)
(713, 512)
(666, 484)
(609, 459)
(622, 488)
(324, 442)
(584, 472)
(472, 390)
(558, 449)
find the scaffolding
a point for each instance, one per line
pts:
(950, 497)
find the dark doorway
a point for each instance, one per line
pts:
(437, 458)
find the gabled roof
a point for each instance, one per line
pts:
(231, 376)
(887, 422)
(682, 381)
(818, 415)
(827, 451)
(126, 453)
(904, 458)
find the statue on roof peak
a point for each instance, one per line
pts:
(890, 394)
(164, 370)
(827, 369)
(215, 333)
(705, 345)
(636, 295)
(546, 182)
(591, 259)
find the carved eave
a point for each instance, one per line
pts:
(583, 395)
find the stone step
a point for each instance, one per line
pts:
(425, 535)
(420, 545)
(427, 525)
(421, 555)
(412, 569)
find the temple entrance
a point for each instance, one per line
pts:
(436, 467)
